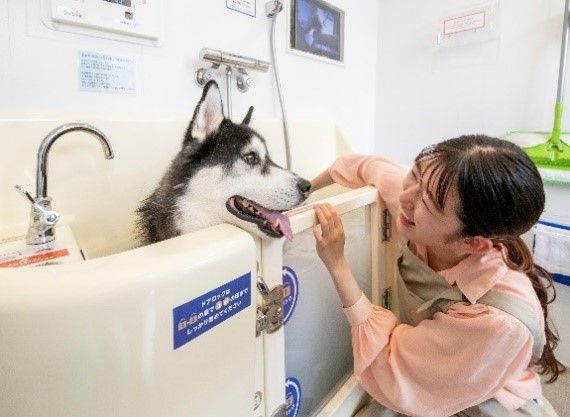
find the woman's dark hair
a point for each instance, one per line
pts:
(501, 196)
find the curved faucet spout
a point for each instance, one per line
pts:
(41, 173)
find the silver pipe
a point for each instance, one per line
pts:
(229, 90)
(41, 171)
(227, 58)
(564, 48)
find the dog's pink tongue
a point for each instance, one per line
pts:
(279, 219)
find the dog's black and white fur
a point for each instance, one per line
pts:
(219, 159)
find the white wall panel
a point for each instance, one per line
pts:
(43, 66)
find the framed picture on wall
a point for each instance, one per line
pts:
(317, 30)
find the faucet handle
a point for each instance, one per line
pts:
(48, 217)
(24, 193)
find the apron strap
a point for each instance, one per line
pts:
(521, 311)
(504, 302)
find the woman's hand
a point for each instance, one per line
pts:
(329, 235)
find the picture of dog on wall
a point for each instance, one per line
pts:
(222, 174)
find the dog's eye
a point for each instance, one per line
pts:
(251, 158)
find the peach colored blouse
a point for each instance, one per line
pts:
(457, 359)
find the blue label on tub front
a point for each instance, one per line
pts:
(290, 292)
(292, 396)
(201, 314)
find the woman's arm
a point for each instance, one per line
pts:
(321, 180)
(359, 170)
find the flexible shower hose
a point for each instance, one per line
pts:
(279, 92)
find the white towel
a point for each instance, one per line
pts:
(552, 247)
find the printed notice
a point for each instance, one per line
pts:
(243, 6)
(106, 73)
(205, 312)
(464, 23)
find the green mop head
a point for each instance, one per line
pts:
(548, 151)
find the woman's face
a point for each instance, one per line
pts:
(420, 220)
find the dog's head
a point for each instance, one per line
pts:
(233, 176)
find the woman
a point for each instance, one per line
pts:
(473, 333)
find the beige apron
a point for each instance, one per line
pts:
(422, 292)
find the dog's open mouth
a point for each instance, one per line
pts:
(272, 222)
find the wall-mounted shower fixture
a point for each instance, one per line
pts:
(231, 61)
(237, 61)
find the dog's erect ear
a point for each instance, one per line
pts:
(247, 117)
(208, 115)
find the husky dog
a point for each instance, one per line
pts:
(222, 174)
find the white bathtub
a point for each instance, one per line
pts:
(104, 337)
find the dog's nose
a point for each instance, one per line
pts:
(304, 186)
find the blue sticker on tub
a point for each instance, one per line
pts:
(201, 314)
(292, 396)
(290, 292)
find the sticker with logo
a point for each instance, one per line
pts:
(292, 396)
(290, 292)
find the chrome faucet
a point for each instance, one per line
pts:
(42, 217)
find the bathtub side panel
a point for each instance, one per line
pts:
(119, 336)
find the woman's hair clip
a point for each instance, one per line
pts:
(426, 152)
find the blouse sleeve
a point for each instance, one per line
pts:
(442, 366)
(360, 170)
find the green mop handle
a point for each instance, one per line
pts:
(554, 143)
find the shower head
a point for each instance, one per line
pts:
(273, 7)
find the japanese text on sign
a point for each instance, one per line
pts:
(201, 314)
(106, 73)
